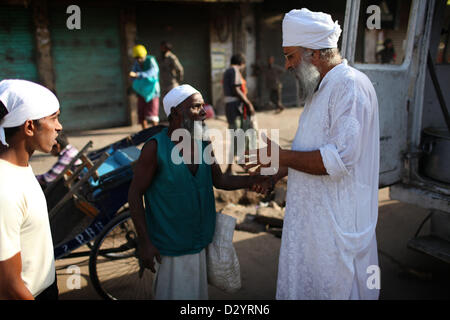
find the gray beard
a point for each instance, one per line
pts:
(196, 128)
(308, 78)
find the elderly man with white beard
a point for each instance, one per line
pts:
(328, 248)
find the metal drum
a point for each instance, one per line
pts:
(436, 158)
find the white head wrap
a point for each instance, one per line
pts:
(24, 100)
(312, 30)
(176, 96)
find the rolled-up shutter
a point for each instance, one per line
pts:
(88, 72)
(17, 47)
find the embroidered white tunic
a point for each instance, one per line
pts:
(328, 239)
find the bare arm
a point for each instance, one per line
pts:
(179, 69)
(244, 98)
(11, 283)
(143, 175)
(310, 162)
(282, 172)
(306, 161)
(231, 182)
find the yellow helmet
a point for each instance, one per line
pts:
(139, 51)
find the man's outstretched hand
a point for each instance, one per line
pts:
(263, 157)
(262, 184)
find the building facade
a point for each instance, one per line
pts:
(87, 67)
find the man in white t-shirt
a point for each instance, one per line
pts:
(28, 121)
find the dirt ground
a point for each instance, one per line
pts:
(405, 274)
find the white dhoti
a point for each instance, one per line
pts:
(181, 278)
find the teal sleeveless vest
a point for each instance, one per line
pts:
(180, 207)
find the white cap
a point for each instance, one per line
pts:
(176, 96)
(312, 30)
(24, 100)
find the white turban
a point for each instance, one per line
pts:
(312, 30)
(24, 100)
(176, 96)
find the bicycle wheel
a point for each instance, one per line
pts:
(114, 266)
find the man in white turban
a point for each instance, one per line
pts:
(28, 122)
(178, 221)
(328, 248)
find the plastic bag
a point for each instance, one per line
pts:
(223, 267)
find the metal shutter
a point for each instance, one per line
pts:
(187, 28)
(88, 70)
(17, 49)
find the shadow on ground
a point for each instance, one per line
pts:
(405, 274)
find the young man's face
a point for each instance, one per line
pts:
(45, 134)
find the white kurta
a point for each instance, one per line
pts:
(328, 239)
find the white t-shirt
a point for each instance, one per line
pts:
(25, 227)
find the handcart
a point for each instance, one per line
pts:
(88, 205)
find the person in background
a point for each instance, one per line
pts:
(28, 122)
(65, 153)
(145, 75)
(171, 70)
(236, 99)
(272, 74)
(387, 55)
(248, 120)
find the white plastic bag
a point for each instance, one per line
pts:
(222, 263)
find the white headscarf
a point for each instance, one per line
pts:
(176, 96)
(24, 100)
(312, 30)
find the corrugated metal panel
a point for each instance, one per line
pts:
(187, 28)
(17, 49)
(87, 63)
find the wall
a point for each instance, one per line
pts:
(221, 50)
(186, 27)
(249, 30)
(44, 59)
(232, 30)
(128, 41)
(17, 43)
(87, 64)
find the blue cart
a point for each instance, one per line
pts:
(88, 205)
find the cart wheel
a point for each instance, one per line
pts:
(114, 265)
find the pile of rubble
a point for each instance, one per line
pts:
(254, 213)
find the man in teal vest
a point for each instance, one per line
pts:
(178, 221)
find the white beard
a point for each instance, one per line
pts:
(200, 130)
(308, 77)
